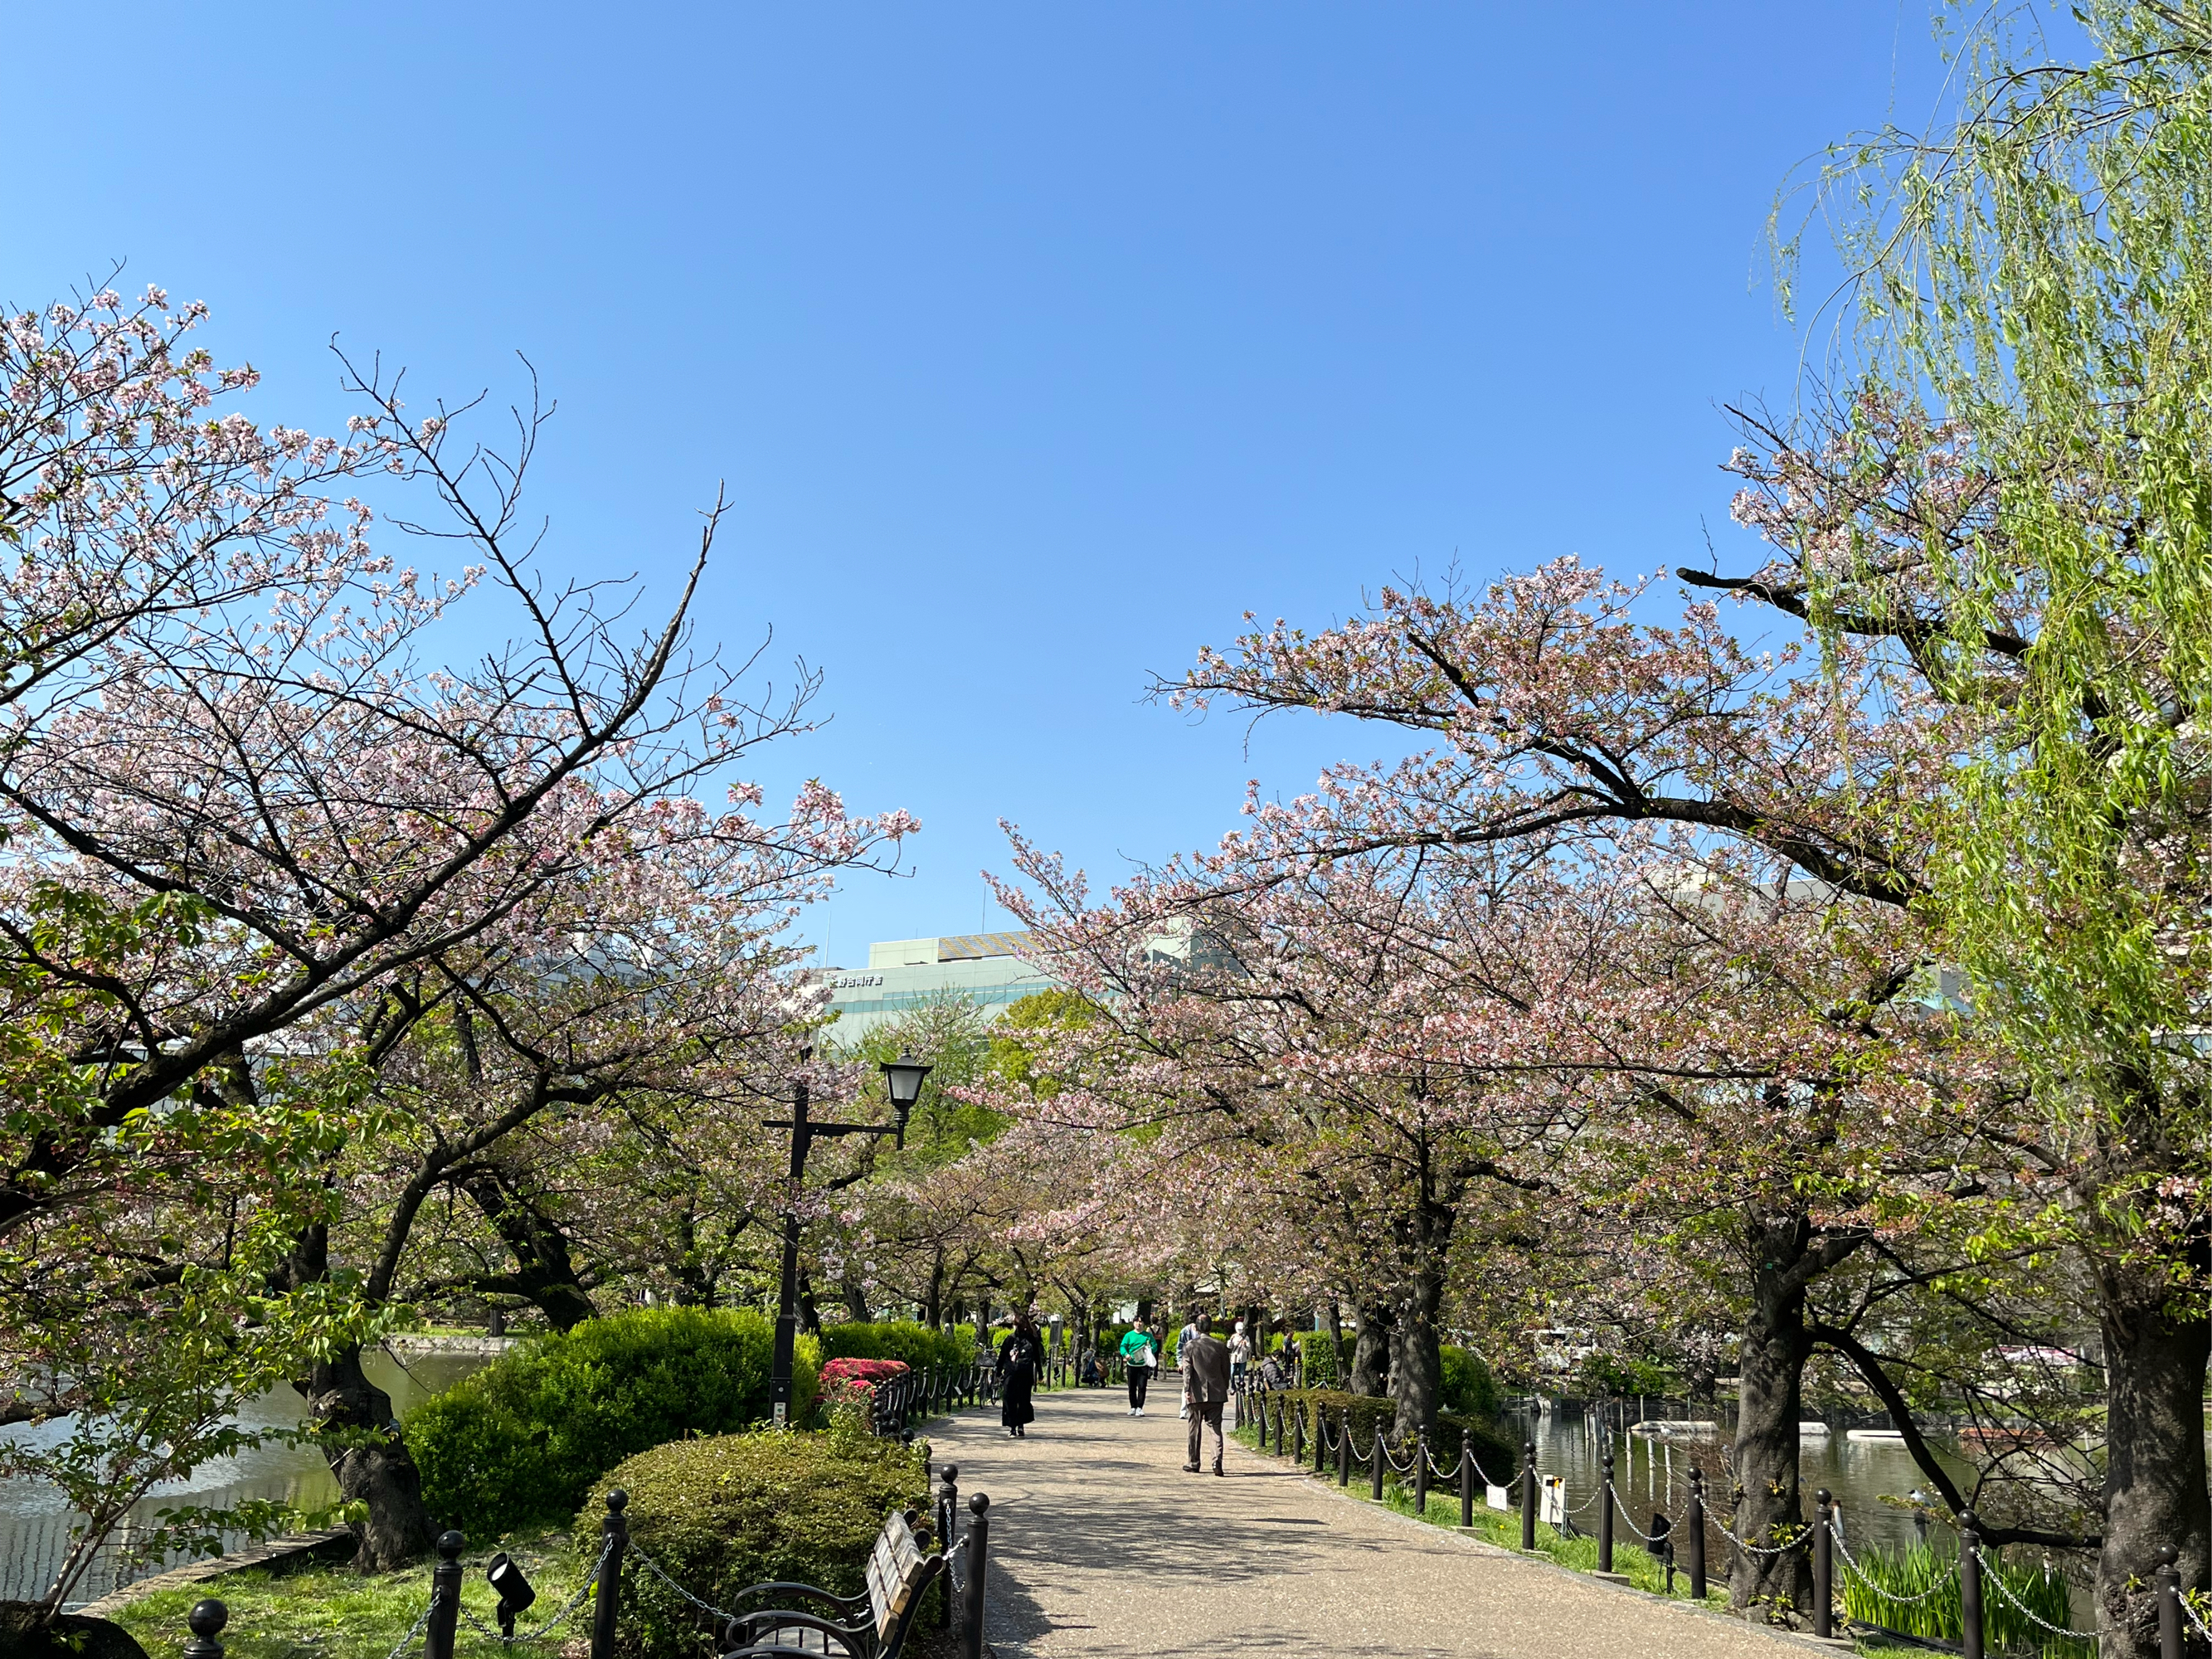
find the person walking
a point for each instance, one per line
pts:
(1182, 1340)
(1206, 1378)
(1240, 1354)
(1139, 1360)
(1020, 1357)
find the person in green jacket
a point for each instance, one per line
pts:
(1140, 1357)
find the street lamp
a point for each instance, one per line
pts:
(902, 1077)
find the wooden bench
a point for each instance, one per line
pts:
(873, 1625)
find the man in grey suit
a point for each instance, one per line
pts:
(1205, 1360)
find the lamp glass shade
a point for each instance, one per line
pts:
(902, 1077)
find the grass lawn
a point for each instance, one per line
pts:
(324, 1612)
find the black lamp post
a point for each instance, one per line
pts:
(902, 1078)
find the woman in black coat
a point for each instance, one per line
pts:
(1021, 1356)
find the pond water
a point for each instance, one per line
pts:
(35, 1520)
(1648, 1468)
(1652, 1472)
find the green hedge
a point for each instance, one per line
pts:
(1470, 1388)
(721, 1514)
(896, 1339)
(517, 1444)
(1317, 1351)
(1493, 1452)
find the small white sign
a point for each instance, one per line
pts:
(1553, 1509)
(1496, 1497)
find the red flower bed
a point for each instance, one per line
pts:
(867, 1371)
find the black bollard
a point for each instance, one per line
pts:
(1605, 1518)
(1375, 1465)
(979, 1539)
(445, 1598)
(2168, 1578)
(1421, 1473)
(1527, 1494)
(1466, 1478)
(614, 1539)
(1343, 1447)
(205, 1621)
(1695, 1521)
(1970, 1588)
(1297, 1415)
(1824, 1566)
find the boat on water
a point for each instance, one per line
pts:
(1677, 1428)
(1877, 1437)
(1812, 1428)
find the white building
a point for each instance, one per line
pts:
(988, 968)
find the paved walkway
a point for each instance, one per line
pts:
(1101, 1545)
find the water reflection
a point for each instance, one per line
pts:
(1652, 1472)
(35, 1519)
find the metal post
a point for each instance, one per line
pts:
(1605, 1519)
(205, 1621)
(2167, 1579)
(1696, 1522)
(948, 1517)
(1824, 1566)
(979, 1539)
(1527, 1494)
(1466, 1478)
(1421, 1473)
(787, 1307)
(1970, 1587)
(607, 1600)
(1343, 1447)
(1374, 1466)
(445, 1598)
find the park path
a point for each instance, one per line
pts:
(1101, 1545)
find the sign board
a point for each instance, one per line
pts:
(1553, 1508)
(1496, 1497)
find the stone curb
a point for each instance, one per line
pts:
(274, 1551)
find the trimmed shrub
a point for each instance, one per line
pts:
(1494, 1454)
(1470, 1388)
(895, 1339)
(869, 1371)
(721, 1514)
(517, 1444)
(1318, 1351)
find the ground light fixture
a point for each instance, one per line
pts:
(515, 1595)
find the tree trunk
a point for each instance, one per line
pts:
(377, 1469)
(932, 1308)
(1768, 1509)
(809, 1316)
(1371, 1354)
(1417, 1369)
(2154, 1473)
(374, 1465)
(544, 1272)
(856, 1301)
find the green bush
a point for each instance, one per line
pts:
(896, 1339)
(1494, 1454)
(721, 1514)
(1317, 1350)
(519, 1443)
(1470, 1388)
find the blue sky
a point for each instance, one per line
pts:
(1035, 345)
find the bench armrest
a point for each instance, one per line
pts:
(814, 1592)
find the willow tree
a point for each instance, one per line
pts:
(2018, 501)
